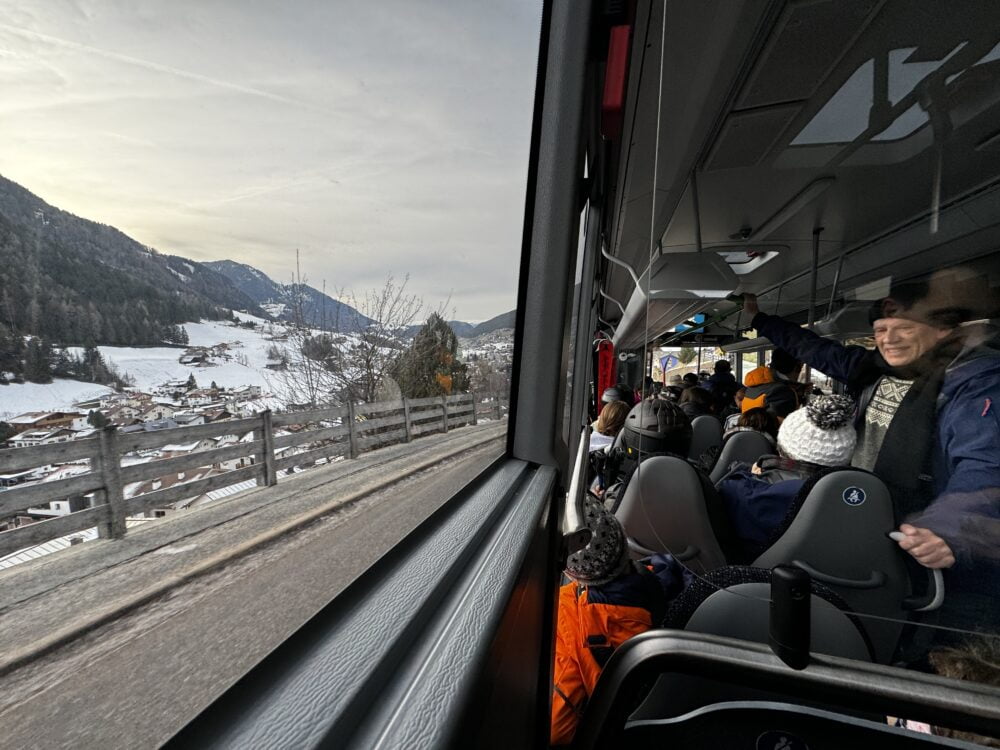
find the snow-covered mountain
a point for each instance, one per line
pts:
(282, 301)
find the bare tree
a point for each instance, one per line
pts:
(352, 357)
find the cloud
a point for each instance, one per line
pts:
(377, 138)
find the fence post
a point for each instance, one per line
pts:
(444, 411)
(270, 474)
(111, 475)
(407, 424)
(352, 429)
(474, 421)
(496, 404)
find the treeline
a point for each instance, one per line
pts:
(36, 361)
(62, 296)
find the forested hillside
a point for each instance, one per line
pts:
(75, 282)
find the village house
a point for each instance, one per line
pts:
(188, 418)
(38, 420)
(194, 358)
(29, 438)
(157, 411)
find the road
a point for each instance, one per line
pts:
(135, 681)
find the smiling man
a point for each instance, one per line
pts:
(927, 422)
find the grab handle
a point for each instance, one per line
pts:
(874, 581)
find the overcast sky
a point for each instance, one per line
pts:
(376, 137)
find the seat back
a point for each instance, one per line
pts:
(706, 437)
(740, 446)
(735, 602)
(664, 509)
(838, 534)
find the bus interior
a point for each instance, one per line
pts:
(813, 153)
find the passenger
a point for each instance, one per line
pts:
(929, 427)
(756, 420)
(810, 440)
(672, 393)
(697, 402)
(612, 418)
(610, 599)
(975, 660)
(690, 380)
(722, 384)
(731, 414)
(653, 428)
(771, 386)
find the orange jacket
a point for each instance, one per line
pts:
(585, 633)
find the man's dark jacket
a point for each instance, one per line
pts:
(941, 454)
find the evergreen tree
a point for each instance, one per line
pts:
(6, 432)
(191, 382)
(38, 361)
(97, 419)
(431, 367)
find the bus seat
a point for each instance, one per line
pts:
(772, 724)
(740, 446)
(706, 439)
(735, 602)
(669, 506)
(838, 533)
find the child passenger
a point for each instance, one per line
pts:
(811, 440)
(609, 599)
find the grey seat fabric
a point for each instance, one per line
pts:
(664, 509)
(735, 602)
(838, 534)
(740, 446)
(706, 437)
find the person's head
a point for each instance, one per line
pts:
(605, 557)
(672, 393)
(612, 418)
(759, 419)
(690, 379)
(698, 396)
(917, 315)
(616, 393)
(820, 433)
(722, 366)
(675, 380)
(657, 426)
(784, 363)
(740, 393)
(977, 660)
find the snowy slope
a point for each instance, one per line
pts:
(153, 366)
(58, 395)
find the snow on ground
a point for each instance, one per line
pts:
(152, 366)
(59, 395)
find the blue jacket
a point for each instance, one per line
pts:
(966, 451)
(756, 508)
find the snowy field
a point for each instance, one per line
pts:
(19, 398)
(152, 366)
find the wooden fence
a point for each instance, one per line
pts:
(324, 433)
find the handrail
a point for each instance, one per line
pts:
(841, 684)
(105, 479)
(574, 530)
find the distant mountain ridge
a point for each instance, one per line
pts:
(74, 281)
(323, 311)
(319, 310)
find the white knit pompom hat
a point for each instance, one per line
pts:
(820, 433)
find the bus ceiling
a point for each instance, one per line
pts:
(862, 136)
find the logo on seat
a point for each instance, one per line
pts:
(854, 496)
(774, 740)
